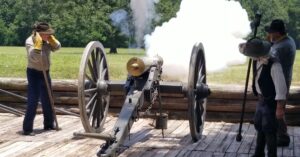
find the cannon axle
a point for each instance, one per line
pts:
(202, 91)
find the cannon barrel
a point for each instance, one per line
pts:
(136, 66)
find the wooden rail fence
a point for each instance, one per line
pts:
(224, 104)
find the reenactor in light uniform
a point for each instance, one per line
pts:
(39, 47)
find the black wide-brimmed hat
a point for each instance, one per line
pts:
(276, 25)
(43, 28)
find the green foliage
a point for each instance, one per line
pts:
(294, 23)
(87, 22)
(79, 21)
(2, 31)
(76, 22)
(270, 9)
(288, 10)
(167, 9)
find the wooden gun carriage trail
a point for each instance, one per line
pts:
(143, 94)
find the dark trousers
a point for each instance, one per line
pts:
(283, 138)
(265, 123)
(37, 89)
(264, 139)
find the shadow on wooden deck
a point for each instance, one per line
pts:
(218, 140)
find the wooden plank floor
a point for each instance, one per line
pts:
(218, 140)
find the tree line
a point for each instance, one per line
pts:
(288, 10)
(79, 21)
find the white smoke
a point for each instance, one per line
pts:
(220, 25)
(143, 14)
(120, 20)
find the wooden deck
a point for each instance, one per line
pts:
(145, 141)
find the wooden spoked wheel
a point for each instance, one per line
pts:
(93, 87)
(197, 91)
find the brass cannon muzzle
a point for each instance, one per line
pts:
(136, 66)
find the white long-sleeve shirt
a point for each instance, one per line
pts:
(277, 77)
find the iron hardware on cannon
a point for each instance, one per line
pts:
(143, 84)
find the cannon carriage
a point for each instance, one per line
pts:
(142, 84)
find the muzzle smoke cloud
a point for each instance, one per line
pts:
(220, 25)
(120, 20)
(143, 14)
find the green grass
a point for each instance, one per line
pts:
(65, 62)
(233, 75)
(65, 65)
(237, 74)
(296, 70)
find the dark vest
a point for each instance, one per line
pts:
(265, 80)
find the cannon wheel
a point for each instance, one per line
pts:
(196, 107)
(92, 87)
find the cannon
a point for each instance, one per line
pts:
(142, 84)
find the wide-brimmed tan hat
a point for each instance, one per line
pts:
(43, 28)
